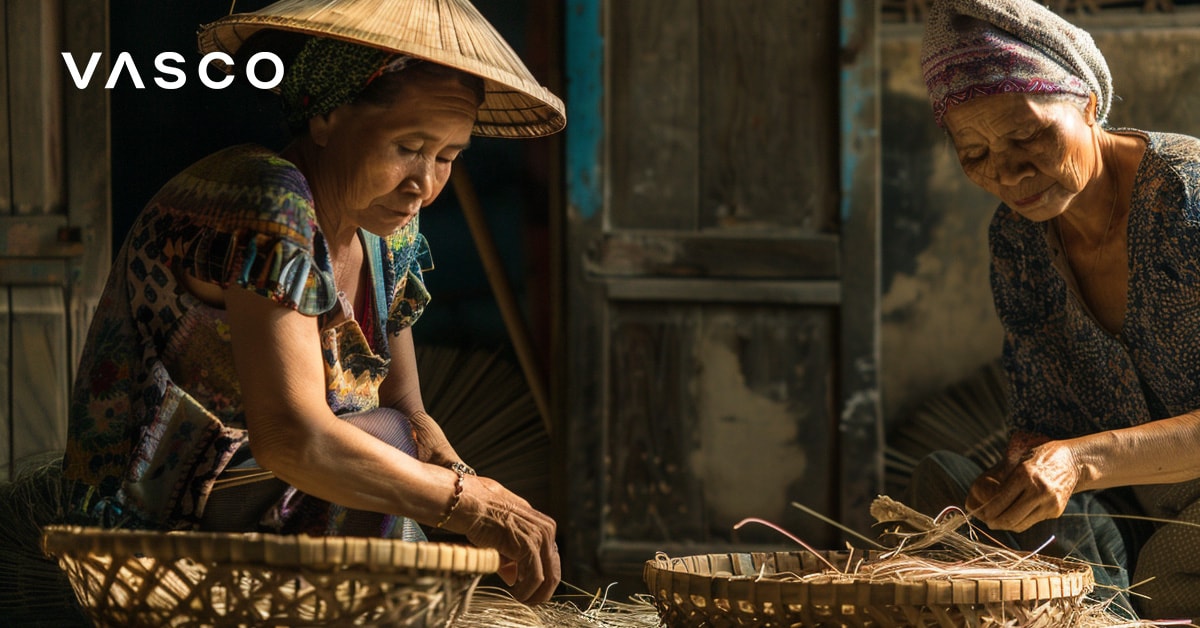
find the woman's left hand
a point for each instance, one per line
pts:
(432, 446)
(1034, 489)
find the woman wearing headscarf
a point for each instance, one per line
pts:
(251, 363)
(1096, 279)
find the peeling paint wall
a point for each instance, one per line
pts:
(938, 320)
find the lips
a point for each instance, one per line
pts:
(1031, 199)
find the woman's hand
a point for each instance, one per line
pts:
(1020, 492)
(492, 516)
(432, 446)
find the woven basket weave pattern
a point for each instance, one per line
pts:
(728, 590)
(189, 579)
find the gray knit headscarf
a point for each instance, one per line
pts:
(977, 48)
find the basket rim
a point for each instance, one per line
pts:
(671, 574)
(274, 550)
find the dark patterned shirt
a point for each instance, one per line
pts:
(1068, 376)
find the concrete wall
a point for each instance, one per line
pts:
(938, 320)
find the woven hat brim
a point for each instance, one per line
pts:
(514, 106)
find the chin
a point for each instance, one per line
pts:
(384, 230)
(1046, 209)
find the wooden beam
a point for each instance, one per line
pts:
(35, 105)
(860, 427)
(39, 236)
(40, 372)
(686, 254)
(88, 141)
(6, 415)
(726, 291)
(5, 141)
(585, 382)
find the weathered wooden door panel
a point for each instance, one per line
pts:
(708, 273)
(54, 214)
(768, 102)
(719, 412)
(723, 115)
(40, 371)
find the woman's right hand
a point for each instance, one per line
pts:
(492, 516)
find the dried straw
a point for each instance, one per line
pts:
(495, 608)
(968, 417)
(33, 590)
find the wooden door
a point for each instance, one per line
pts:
(721, 334)
(54, 215)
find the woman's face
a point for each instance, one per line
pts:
(380, 165)
(1035, 155)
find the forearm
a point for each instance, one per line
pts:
(1159, 452)
(401, 389)
(340, 463)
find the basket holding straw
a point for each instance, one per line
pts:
(144, 578)
(866, 588)
(933, 577)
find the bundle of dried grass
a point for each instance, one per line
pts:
(33, 590)
(495, 608)
(967, 417)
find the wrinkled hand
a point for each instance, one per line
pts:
(492, 516)
(432, 446)
(1021, 491)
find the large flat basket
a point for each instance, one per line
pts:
(784, 589)
(145, 578)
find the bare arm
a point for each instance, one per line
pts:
(1158, 452)
(401, 390)
(1036, 484)
(294, 433)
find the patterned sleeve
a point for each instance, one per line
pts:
(410, 258)
(246, 219)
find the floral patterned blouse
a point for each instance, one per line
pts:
(155, 414)
(1068, 376)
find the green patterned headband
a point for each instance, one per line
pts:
(328, 73)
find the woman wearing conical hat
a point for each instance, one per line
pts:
(251, 364)
(1096, 278)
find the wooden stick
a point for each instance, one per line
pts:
(509, 310)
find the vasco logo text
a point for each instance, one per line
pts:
(171, 76)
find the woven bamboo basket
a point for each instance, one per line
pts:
(766, 589)
(144, 578)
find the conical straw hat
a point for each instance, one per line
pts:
(449, 32)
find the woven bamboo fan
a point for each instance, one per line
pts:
(143, 578)
(787, 589)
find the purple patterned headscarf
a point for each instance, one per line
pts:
(977, 48)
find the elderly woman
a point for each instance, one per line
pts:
(251, 364)
(1096, 279)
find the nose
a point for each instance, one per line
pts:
(424, 177)
(1011, 168)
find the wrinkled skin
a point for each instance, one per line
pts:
(432, 446)
(1032, 484)
(491, 516)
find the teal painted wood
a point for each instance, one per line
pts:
(585, 99)
(860, 425)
